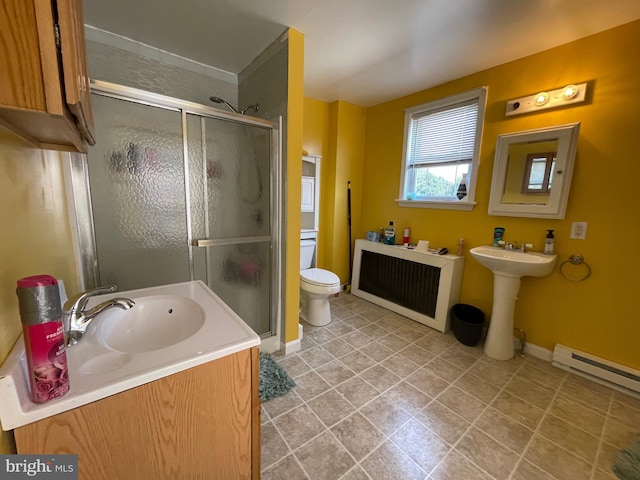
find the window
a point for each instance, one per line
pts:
(538, 174)
(441, 149)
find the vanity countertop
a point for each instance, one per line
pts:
(97, 371)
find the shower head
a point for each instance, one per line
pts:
(255, 106)
(227, 104)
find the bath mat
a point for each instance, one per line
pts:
(627, 463)
(274, 381)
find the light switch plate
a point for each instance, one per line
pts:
(578, 230)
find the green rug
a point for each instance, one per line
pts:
(627, 463)
(274, 381)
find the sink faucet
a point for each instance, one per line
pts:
(76, 318)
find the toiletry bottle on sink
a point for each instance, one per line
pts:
(41, 316)
(548, 243)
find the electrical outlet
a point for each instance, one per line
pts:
(578, 230)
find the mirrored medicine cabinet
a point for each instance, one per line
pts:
(532, 172)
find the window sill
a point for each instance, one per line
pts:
(439, 205)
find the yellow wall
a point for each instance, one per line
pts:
(599, 315)
(293, 167)
(36, 236)
(337, 132)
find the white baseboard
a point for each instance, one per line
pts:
(534, 350)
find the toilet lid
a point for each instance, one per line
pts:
(318, 276)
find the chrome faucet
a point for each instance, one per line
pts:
(76, 319)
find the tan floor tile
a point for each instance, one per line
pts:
(495, 375)
(533, 393)
(388, 461)
(380, 378)
(518, 410)
(433, 344)
(465, 405)
(358, 435)
(356, 473)
(356, 339)
(542, 377)
(588, 420)
(399, 365)
(428, 382)
(385, 415)
(447, 371)
(411, 333)
(504, 429)
(526, 471)
(456, 466)
(423, 446)
(458, 357)
(316, 356)
(324, 458)
(339, 328)
(447, 424)
(393, 342)
(591, 394)
(560, 463)
(607, 456)
(288, 468)
(279, 405)
(374, 331)
(574, 439)
(625, 414)
(477, 387)
(338, 348)
(334, 373)
(273, 447)
(357, 391)
(293, 365)
(320, 335)
(376, 351)
(620, 397)
(358, 361)
(618, 434)
(408, 397)
(331, 407)
(298, 426)
(493, 457)
(310, 385)
(417, 355)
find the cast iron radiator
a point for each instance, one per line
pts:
(410, 284)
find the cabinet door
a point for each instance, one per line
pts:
(74, 65)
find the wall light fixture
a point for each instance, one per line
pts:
(574, 93)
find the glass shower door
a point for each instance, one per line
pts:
(137, 182)
(231, 203)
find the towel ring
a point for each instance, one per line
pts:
(575, 260)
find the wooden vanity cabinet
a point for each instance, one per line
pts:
(202, 423)
(44, 85)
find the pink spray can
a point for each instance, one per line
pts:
(41, 316)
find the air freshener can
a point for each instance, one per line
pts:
(41, 316)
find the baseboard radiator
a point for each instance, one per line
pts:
(596, 368)
(421, 286)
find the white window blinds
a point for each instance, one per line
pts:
(443, 136)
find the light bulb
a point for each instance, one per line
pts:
(541, 99)
(570, 91)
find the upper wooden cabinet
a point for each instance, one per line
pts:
(44, 85)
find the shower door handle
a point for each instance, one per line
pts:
(210, 242)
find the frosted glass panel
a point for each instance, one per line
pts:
(136, 174)
(238, 179)
(241, 276)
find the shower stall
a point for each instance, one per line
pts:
(176, 191)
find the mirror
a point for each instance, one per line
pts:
(532, 172)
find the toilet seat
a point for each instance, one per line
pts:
(319, 277)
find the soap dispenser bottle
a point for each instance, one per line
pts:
(548, 243)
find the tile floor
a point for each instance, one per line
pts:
(379, 396)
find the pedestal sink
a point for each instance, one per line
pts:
(508, 267)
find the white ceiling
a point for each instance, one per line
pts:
(362, 51)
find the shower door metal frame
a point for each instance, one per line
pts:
(80, 194)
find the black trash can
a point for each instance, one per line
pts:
(467, 322)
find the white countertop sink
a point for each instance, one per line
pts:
(514, 263)
(171, 328)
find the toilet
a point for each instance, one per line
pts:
(316, 285)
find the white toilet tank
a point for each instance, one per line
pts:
(307, 249)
